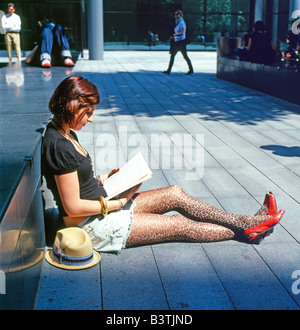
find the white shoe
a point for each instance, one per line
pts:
(68, 62)
(46, 63)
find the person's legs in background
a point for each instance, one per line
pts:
(172, 58)
(8, 43)
(17, 45)
(63, 45)
(189, 63)
(46, 45)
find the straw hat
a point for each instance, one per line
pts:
(72, 250)
(296, 27)
(18, 251)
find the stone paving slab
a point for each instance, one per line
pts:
(247, 144)
(69, 290)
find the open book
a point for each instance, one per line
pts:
(129, 175)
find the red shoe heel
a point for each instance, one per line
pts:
(256, 240)
(269, 232)
(264, 229)
(270, 202)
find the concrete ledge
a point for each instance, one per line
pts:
(277, 81)
(22, 239)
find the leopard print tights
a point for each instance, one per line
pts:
(197, 221)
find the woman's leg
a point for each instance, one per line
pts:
(163, 200)
(188, 61)
(156, 228)
(172, 58)
(262, 211)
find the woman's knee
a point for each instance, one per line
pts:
(175, 190)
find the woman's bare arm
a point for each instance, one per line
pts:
(69, 192)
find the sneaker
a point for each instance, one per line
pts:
(68, 62)
(46, 63)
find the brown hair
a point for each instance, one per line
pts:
(179, 11)
(71, 95)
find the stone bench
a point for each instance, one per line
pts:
(278, 80)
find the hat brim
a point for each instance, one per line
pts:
(38, 256)
(53, 262)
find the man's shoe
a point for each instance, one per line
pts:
(166, 72)
(46, 63)
(190, 72)
(68, 62)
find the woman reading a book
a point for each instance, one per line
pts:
(133, 218)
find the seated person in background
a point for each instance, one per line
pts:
(53, 47)
(289, 54)
(259, 49)
(277, 53)
(246, 40)
(242, 52)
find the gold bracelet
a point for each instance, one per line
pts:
(103, 204)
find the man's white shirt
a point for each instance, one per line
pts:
(11, 23)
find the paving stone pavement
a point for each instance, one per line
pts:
(222, 143)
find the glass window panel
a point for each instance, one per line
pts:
(130, 20)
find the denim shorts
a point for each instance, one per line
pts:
(109, 233)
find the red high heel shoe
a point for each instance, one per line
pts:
(260, 230)
(270, 202)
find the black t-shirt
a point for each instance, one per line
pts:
(261, 51)
(59, 156)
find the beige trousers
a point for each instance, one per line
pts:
(12, 39)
